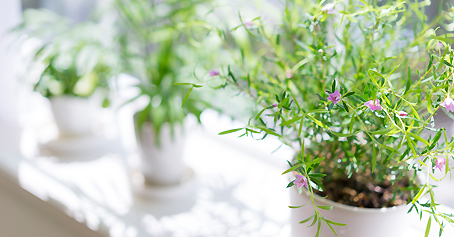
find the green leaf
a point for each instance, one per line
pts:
(318, 160)
(429, 104)
(300, 129)
(289, 122)
(267, 130)
(259, 114)
(231, 74)
(220, 86)
(252, 131)
(106, 102)
(296, 207)
(319, 224)
(320, 111)
(382, 131)
(342, 134)
(419, 139)
(321, 98)
(187, 95)
(335, 223)
(374, 158)
(230, 131)
(393, 70)
(292, 168)
(447, 40)
(330, 107)
(371, 76)
(317, 175)
(314, 221)
(333, 86)
(329, 208)
(407, 87)
(448, 64)
(290, 184)
(307, 219)
(435, 140)
(345, 106)
(348, 94)
(419, 194)
(332, 229)
(428, 227)
(317, 121)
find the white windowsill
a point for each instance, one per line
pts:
(240, 189)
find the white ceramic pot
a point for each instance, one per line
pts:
(361, 222)
(74, 116)
(163, 164)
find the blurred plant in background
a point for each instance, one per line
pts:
(74, 58)
(159, 44)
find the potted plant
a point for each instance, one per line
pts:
(352, 89)
(158, 40)
(73, 61)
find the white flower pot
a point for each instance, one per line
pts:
(74, 116)
(163, 164)
(361, 222)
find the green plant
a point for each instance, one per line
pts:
(158, 44)
(75, 59)
(353, 87)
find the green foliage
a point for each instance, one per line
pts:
(75, 58)
(159, 41)
(367, 50)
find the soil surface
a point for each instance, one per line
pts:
(358, 191)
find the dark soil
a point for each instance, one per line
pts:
(358, 191)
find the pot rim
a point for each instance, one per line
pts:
(352, 208)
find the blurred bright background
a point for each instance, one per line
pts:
(238, 188)
(235, 185)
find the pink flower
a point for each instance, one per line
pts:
(248, 22)
(288, 73)
(373, 105)
(329, 8)
(440, 162)
(274, 105)
(335, 97)
(213, 73)
(402, 113)
(448, 103)
(300, 181)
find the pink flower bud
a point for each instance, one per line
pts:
(329, 8)
(213, 73)
(402, 113)
(248, 22)
(288, 73)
